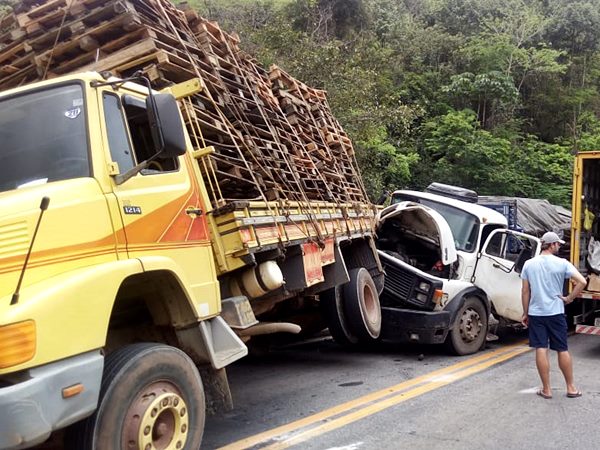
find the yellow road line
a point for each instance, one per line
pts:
(389, 402)
(487, 359)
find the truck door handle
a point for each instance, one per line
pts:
(195, 211)
(496, 265)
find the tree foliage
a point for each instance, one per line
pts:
(6, 7)
(490, 95)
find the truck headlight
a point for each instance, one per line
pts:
(421, 297)
(423, 286)
(17, 343)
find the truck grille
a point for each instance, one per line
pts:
(401, 287)
(14, 239)
(398, 282)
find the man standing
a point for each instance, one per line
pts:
(544, 310)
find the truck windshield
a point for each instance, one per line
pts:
(43, 137)
(464, 226)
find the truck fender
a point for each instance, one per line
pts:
(78, 297)
(204, 300)
(459, 300)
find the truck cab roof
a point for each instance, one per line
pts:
(483, 214)
(85, 77)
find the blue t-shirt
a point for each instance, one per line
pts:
(546, 275)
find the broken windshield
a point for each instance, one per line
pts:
(43, 137)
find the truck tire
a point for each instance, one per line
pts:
(332, 306)
(151, 396)
(361, 303)
(469, 330)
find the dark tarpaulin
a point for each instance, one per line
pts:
(536, 216)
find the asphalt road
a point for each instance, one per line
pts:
(318, 396)
(408, 397)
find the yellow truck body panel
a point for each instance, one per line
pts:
(585, 227)
(248, 227)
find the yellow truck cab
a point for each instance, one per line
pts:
(122, 289)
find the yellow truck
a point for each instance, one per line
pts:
(585, 239)
(123, 293)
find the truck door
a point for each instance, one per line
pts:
(161, 208)
(499, 267)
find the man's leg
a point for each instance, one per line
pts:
(557, 329)
(543, 366)
(566, 367)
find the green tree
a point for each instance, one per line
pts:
(588, 133)
(575, 28)
(464, 154)
(542, 170)
(384, 166)
(490, 94)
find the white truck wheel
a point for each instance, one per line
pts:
(469, 330)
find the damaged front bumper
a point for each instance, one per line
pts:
(409, 325)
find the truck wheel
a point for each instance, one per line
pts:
(361, 303)
(151, 397)
(333, 310)
(468, 333)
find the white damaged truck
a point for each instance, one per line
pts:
(452, 267)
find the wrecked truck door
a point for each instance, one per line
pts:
(499, 267)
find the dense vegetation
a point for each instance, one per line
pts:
(491, 95)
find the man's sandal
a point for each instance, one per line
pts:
(574, 394)
(541, 394)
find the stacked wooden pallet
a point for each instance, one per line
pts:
(329, 146)
(273, 136)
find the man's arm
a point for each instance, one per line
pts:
(525, 296)
(578, 281)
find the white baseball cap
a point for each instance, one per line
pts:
(551, 237)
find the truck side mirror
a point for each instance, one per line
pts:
(165, 124)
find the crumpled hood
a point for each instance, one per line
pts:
(424, 222)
